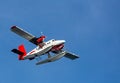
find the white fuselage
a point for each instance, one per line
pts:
(45, 49)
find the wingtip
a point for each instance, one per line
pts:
(13, 27)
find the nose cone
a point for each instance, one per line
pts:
(59, 42)
(63, 41)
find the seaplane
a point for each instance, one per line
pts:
(52, 48)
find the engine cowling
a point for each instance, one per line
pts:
(40, 39)
(57, 48)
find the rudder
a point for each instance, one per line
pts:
(21, 48)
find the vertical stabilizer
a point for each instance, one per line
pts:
(21, 48)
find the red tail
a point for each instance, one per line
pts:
(22, 49)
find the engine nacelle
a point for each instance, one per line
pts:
(57, 48)
(40, 39)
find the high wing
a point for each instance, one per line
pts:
(70, 55)
(24, 34)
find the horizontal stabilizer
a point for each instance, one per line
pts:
(71, 56)
(17, 52)
(20, 51)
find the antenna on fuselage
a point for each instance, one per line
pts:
(42, 33)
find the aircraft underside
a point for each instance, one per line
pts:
(53, 46)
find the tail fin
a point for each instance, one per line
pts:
(22, 49)
(21, 52)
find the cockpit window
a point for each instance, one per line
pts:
(53, 39)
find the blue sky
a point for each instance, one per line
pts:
(90, 27)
